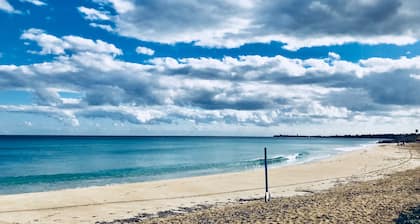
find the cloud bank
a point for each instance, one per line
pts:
(298, 24)
(248, 90)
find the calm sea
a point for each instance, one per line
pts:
(31, 164)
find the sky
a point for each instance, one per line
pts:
(209, 67)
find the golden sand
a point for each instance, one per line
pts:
(375, 201)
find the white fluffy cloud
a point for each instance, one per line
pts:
(5, 6)
(249, 90)
(145, 50)
(226, 23)
(93, 14)
(121, 6)
(97, 16)
(102, 26)
(334, 56)
(51, 44)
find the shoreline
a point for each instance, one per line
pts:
(392, 199)
(290, 162)
(119, 201)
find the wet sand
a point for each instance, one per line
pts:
(125, 201)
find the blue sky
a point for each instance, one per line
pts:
(131, 67)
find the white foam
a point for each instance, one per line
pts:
(315, 158)
(353, 148)
(292, 158)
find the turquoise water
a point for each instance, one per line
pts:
(31, 164)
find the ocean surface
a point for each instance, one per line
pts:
(42, 163)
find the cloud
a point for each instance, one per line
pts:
(51, 44)
(35, 2)
(145, 50)
(5, 6)
(83, 44)
(329, 22)
(297, 24)
(399, 89)
(102, 26)
(334, 56)
(180, 21)
(248, 90)
(56, 113)
(93, 14)
(121, 6)
(414, 76)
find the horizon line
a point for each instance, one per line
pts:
(226, 136)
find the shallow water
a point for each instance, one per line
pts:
(41, 163)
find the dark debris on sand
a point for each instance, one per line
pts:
(162, 214)
(387, 200)
(136, 219)
(411, 216)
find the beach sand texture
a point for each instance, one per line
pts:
(374, 201)
(88, 205)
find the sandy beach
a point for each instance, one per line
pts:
(124, 201)
(392, 199)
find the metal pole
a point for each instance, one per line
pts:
(267, 194)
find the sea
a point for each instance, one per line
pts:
(45, 163)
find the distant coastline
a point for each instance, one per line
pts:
(388, 138)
